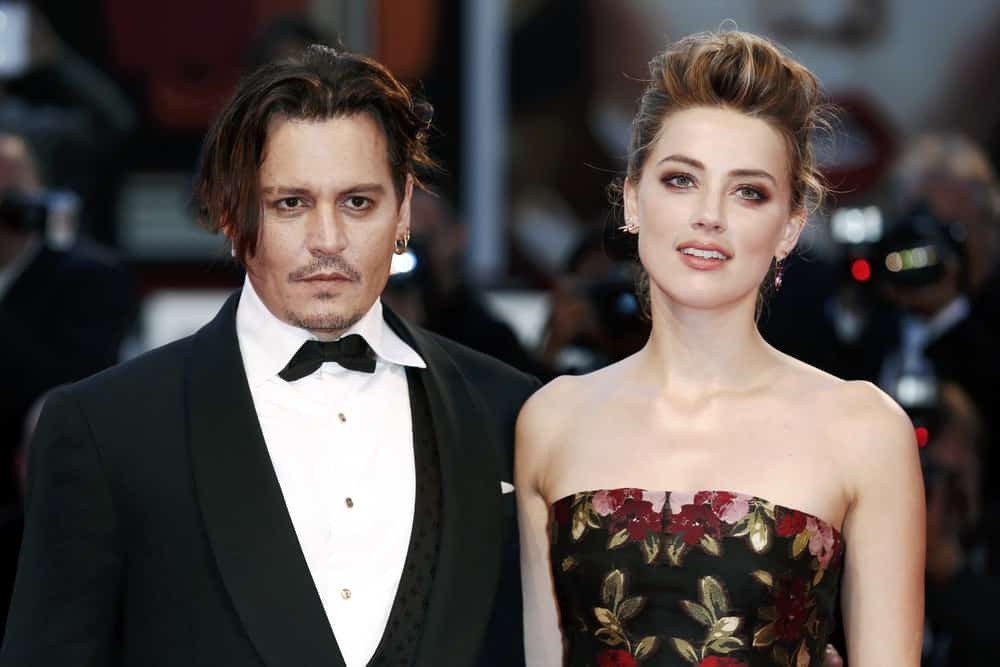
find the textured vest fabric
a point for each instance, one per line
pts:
(404, 629)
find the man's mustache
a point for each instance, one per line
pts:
(325, 264)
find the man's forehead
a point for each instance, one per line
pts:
(341, 150)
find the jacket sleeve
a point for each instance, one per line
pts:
(64, 609)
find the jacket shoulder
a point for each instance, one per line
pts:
(155, 367)
(481, 367)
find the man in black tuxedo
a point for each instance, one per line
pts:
(309, 479)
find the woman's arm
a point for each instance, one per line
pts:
(883, 587)
(542, 636)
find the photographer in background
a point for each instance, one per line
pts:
(595, 317)
(63, 310)
(961, 585)
(949, 319)
(954, 177)
(74, 117)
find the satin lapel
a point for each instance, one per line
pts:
(469, 560)
(247, 522)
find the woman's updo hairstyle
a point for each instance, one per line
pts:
(733, 70)
(743, 72)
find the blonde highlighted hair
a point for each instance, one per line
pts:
(746, 73)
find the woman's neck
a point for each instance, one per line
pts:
(695, 352)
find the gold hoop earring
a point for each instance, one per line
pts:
(401, 244)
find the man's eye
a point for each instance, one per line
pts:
(359, 203)
(289, 203)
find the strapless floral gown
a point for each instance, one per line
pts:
(706, 579)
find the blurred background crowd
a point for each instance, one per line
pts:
(103, 105)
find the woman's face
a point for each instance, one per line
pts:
(713, 205)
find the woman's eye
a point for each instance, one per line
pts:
(747, 192)
(679, 181)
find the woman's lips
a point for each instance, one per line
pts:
(703, 257)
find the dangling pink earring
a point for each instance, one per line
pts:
(779, 273)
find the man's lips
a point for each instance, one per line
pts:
(326, 277)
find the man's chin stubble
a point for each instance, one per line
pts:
(328, 323)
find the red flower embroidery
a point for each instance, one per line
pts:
(615, 657)
(716, 661)
(694, 521)
(719, 500)
(790, 522)
(790, 599)
(637, 516)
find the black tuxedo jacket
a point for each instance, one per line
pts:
(156, 533)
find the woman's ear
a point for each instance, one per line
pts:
(630, 201)
(790, 233)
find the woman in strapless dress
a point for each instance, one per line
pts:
(710, 501)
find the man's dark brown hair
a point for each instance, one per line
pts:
(320, 84)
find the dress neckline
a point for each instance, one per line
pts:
(824, 522)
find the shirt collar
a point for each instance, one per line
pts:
(267, 343)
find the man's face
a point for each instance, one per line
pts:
(329, 223)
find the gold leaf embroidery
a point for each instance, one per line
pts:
(618, 539)
(610, 636)
(711, 545)
(698, 613)
(579, 526)
(800, 543)
(764, 577)
(651, 547)
(675, 550)
(726, 625)
(726, 644)
(765, 636)
(606, 618)
(612, 590)
(713, 596)
(647, 647)
(685, 649)
(630, 608)
(760, 534)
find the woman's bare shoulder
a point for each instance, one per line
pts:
(559, 410)
(872, 433)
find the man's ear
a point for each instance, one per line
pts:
(403, 224)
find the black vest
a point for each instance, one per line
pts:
(405, 625)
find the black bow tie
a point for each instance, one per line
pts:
(352, 352)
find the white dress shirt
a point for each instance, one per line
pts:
(341, 443)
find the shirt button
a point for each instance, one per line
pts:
(342, 417)
(349, 502)
(345, 593)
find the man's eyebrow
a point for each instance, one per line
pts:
(284, 190)
(375, 188)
